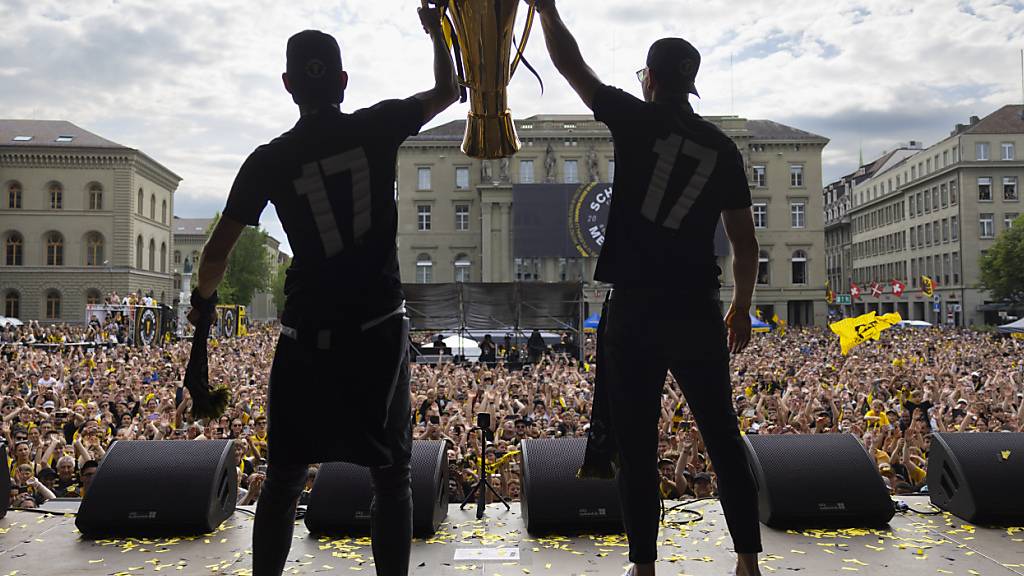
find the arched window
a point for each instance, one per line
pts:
(138, 252)
(14, 249)
(93, 297)
(14, 195)
(163, 212)
(424, 269)
(12, 304)
(799, 267)
(94, 249)
(764, 269)
(54, 249)
(52, 305)
(95, 196)
(138, 206)
(163, 257)
(152, 255)
(56, 196)
(463, 268)
(152, 206)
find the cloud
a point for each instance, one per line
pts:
(196, 84)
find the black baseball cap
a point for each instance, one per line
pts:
(314, 66)
(675, 63)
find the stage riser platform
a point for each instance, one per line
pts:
(37, 545)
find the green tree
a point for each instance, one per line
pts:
(249, 267)
(277, 285)
(1002, 268)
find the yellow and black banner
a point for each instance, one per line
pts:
(147, 326)
(231, 321)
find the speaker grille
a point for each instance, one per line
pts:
(554, 499)
(160, 487)
(342, 494)
(979, 472)
(816, 479)
(5, 483)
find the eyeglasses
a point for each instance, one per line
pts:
(641, 74)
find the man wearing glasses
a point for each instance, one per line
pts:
(677, 175)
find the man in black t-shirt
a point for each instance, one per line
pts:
(331, 179)
(677, 176)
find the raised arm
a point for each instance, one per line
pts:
(446, 86)
(565, 53)
(214, 260)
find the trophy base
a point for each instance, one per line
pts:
(489, 137)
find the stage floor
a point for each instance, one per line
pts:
(34, 544)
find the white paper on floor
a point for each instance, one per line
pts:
(487, 554)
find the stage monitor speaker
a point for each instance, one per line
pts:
(977, 475)
(5, 482)
(554, 499)
(339, 503)
(817, 480)
(160, 488)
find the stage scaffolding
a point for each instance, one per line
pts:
(509, 307)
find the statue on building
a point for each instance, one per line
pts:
(549, 164)
(486, 171)
(187, 267)
(593, 170)
(503, 171)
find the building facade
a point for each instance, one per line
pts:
(456, 213)
(190, 236)
(838, 199)
(935, 214)
(80, 217)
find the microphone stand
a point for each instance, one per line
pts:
(482, 483)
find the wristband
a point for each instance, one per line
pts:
(206, 306)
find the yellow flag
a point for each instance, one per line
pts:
(853, 331)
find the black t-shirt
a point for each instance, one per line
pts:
(674, 174)
(332, 180)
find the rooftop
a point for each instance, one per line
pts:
(51, 133)
(191, 226)
(758, 129)
(768, 130)
(1007, 120)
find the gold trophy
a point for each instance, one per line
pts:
(481, 34)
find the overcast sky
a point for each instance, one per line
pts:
(196, 84)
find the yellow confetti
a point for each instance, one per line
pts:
(798, 552)
(95, 561)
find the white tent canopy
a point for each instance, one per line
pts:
(915, 324)
(1013, 327)
(461, 346)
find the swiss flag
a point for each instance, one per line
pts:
(876, 290)
(897, 287)
(854, 291)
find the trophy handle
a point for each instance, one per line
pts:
(526, 36)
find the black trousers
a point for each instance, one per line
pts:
(641, 335)
(391, 509)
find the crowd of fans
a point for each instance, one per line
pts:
(62, 406)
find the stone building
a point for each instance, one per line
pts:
(190, 236)
(935, 214)
(456, 213)
(80, 216)
(838, 199)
